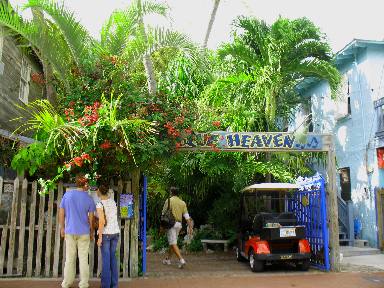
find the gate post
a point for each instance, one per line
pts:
(333, 216)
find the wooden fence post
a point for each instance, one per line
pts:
(134, 249)
(332, 208)
(40, 235)
(4, 236)
(31, 234)
(12, 231)
(56, 253)
(23, 212)
(48, 239)
(1, 187)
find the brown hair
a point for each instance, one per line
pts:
(80, 180)
(103, 189)
(174, 191)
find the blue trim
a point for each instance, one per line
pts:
(144, 235)
(324, 223)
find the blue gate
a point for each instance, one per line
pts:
(309, 205)
(143, 226)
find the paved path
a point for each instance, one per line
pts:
(323, 280)
(376, 261)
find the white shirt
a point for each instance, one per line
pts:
(110, 209)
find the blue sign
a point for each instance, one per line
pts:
(126, 206)
(222, 140)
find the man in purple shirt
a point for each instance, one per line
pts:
(76, 225)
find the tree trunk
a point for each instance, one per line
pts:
(150, 73)
(211, 21)
(49, 88)
(268, 177)
(147, 61)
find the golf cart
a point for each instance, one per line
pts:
(268, 230)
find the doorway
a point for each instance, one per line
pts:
(380, 215)
(345, 183)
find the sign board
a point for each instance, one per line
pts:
(126, 206)
(252, 141)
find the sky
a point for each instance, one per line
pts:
(340, 20)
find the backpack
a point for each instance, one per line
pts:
(167, 219)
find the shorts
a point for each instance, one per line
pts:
(173, 233)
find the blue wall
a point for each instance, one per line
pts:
(354, 134)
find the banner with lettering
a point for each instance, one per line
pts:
(221, 140)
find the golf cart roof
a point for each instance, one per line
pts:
(278, 187)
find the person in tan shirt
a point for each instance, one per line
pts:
(179, 210)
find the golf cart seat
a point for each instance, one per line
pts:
(287, 219)
(284, 219)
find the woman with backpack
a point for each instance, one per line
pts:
(108, 231)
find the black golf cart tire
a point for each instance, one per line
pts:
(304, 266)
(239, 257)
(255, 265)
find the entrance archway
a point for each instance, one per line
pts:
(279, 142)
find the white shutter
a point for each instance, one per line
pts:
(25, 77)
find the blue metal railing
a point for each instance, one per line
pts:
(143, 225)
(309, 205)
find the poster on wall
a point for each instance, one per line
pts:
(380, 157)
(126, 206)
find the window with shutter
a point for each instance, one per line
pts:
(343, 101)
(25, 76)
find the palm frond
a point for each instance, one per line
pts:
(151, 7)
(320, 69)
(47, 42)
(41, 118)
(162, 38)
(75, 35)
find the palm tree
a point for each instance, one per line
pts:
(126, 34)
(274, 59)
(64, 43)
(60, 42)
(211, 21)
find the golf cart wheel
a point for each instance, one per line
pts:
(304, 266)
(238, 255)
(256, 265)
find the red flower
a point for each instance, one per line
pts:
(105, 145)
(178, 145)
(217, 124)
(78, 161)
(179, 120)
(71, 104)
(86, 156)
(38, 78)
(188, 131)
(113, 59)
(96, 104)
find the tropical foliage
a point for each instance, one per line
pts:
(260, 71)
(128, 99)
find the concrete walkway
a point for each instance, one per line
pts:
(376, 261)
(323, 280)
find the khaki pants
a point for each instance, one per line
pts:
(73, 244)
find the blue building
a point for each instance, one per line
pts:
(356, 119)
